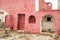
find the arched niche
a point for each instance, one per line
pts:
(32, 19)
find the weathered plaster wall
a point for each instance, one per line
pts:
(27, 7)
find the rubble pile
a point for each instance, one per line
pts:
(23, 36)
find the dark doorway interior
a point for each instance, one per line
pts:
(48, 18)
(12, 28)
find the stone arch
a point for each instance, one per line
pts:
(32, 19)
(48, 24)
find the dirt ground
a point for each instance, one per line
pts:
(6, 34)
(26, 36)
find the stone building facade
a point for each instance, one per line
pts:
(23, 16)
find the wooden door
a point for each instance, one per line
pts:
(21, 21)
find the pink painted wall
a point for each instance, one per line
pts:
(7, 21)
(44, 6)
(27, 7)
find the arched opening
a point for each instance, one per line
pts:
(48, 24)
(32, 19)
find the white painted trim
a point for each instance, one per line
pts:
(40, 25)
(36, 5)
(5, 13)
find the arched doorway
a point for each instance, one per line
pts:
(48, 23)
